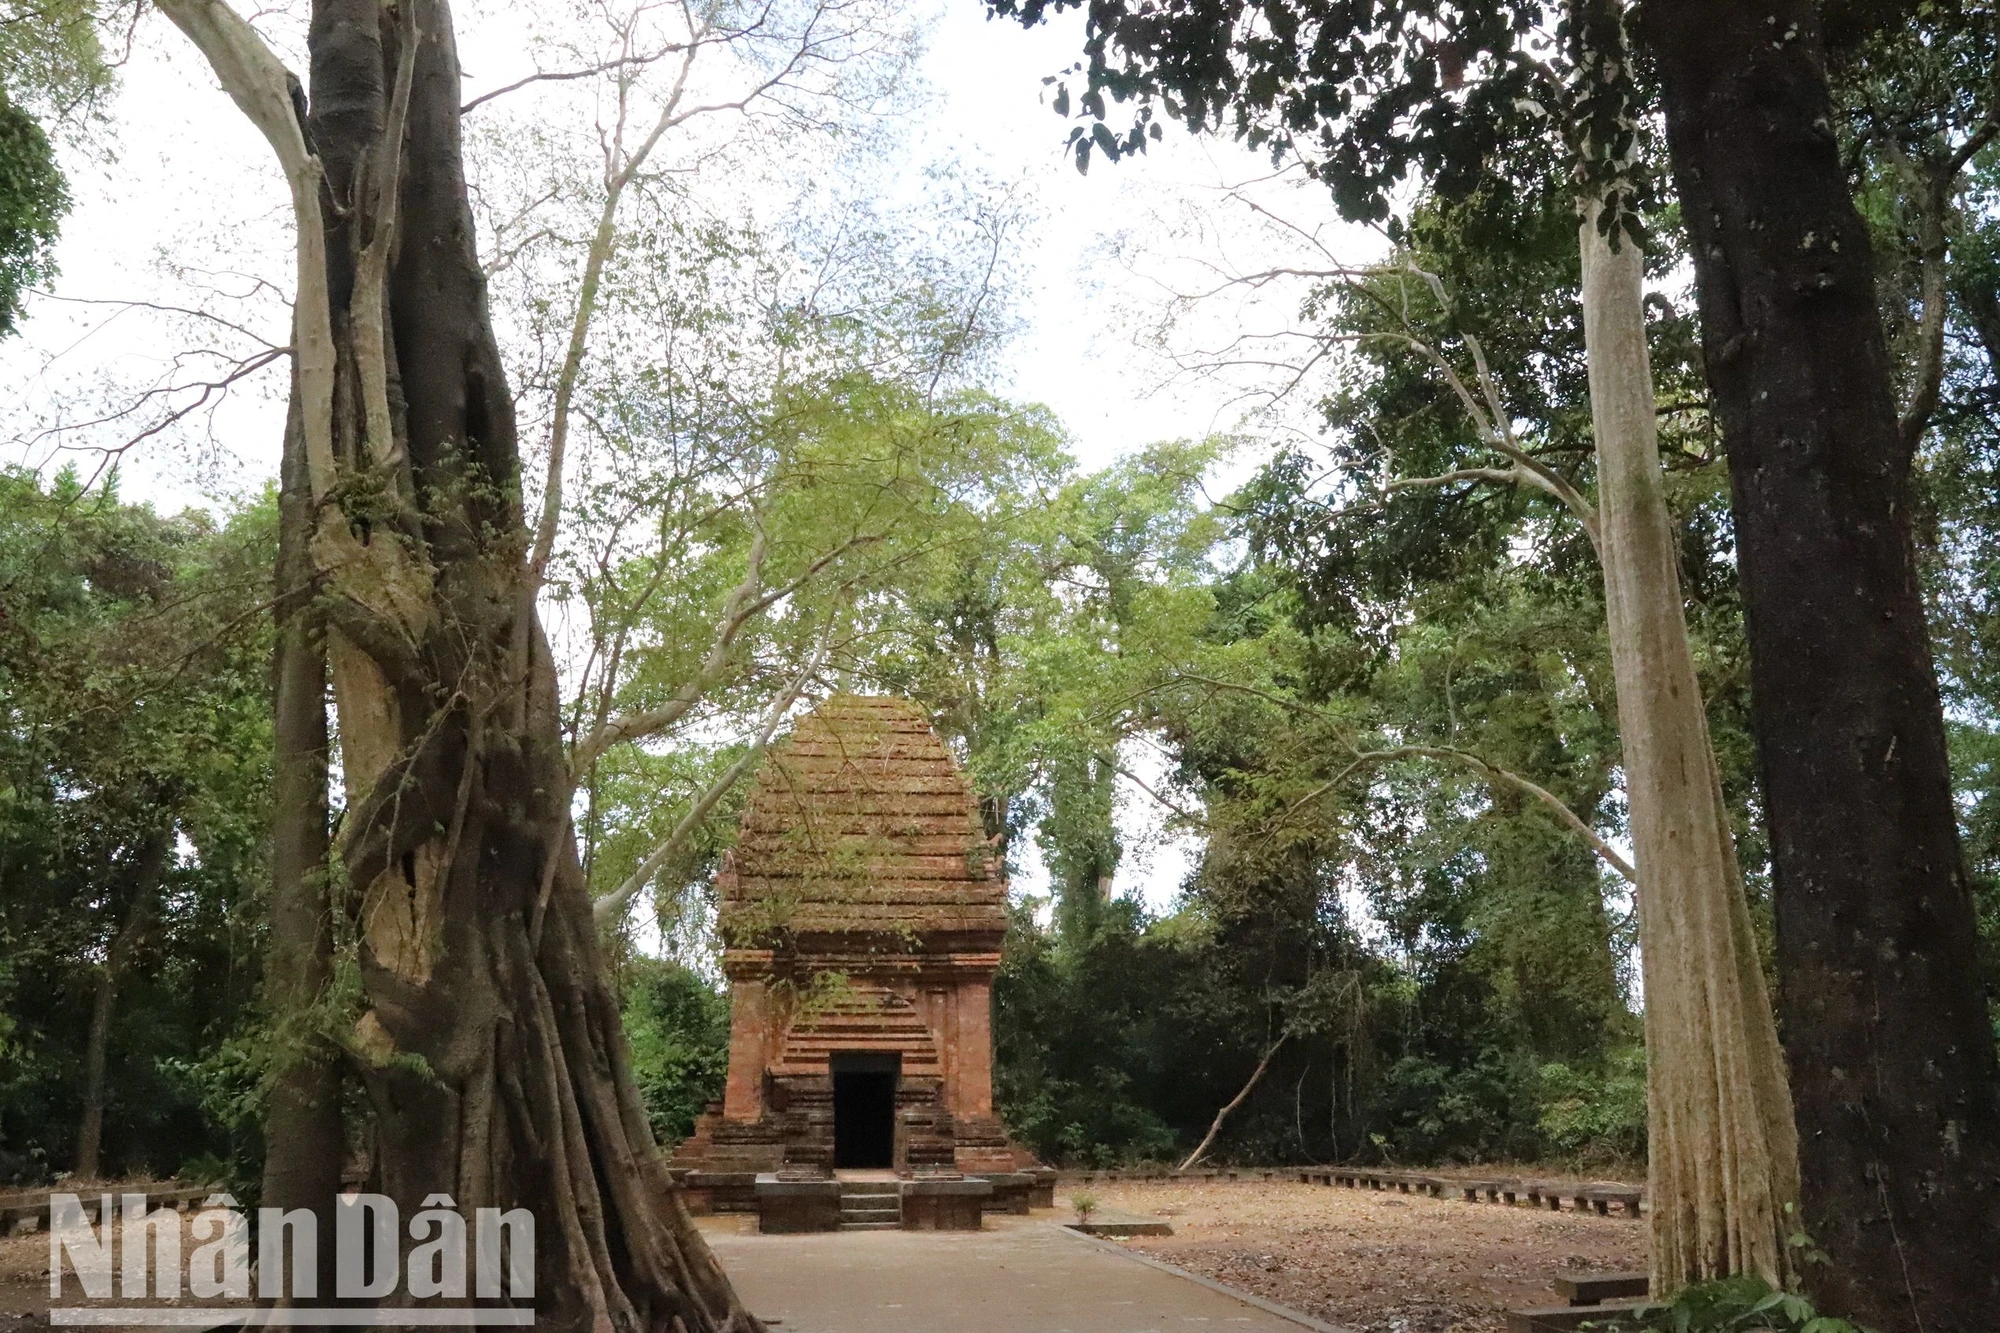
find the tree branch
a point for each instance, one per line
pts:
(743, 605)
(1158, 798)
(737, 609)
(567, 75)
(1498, 476)
(1494, 773)
(1929, 380)
(612, 905)
(1234, 1102)
(1363, 758)
(269, 95)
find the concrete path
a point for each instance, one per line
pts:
(1020, 1275)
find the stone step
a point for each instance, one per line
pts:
(871, 1215)
(1601, 1287)
(871, 1226)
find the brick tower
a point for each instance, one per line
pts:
(862, 914)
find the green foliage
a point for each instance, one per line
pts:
(33, 199)
(1074, 1064)
(678, 1028)
(1597, 1116)
(50, 58)
(133, 713)
(229, 1084)
(51, 72)
(1731, 1305)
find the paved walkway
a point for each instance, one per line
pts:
(1020, 1275)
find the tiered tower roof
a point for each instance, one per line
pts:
(861, 824)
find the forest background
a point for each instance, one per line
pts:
(1369, 684)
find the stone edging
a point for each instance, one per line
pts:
(1597, 1197)
(1286, 1312)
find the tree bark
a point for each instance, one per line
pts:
(1980, 299)
(1722, 1153)
(143, 877)
(487, 1039)
(304, 1136)
(1891, 1048)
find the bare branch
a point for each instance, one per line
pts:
(1165, 802)
(1496, 430)
(738, 608)
(564, 76)
(1215, 1127)
(1498, 476)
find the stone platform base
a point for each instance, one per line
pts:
(926, 1204)
(787, 1206)
(945, 1205)
(718, 1191)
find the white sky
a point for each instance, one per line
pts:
(193, 187)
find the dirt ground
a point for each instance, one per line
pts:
(1377, 1262)
(24, 1276)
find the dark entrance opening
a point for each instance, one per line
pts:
(864, 1109)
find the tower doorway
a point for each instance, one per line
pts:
(864, 1109)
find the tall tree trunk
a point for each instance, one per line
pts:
(143, 880)
(1892, 1054)
(487, 1039)
(1722, 1162)
(304, 1137)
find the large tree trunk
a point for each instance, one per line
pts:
(1722, 1164)
(487, 1039)
(304, 1136)
(1891, 1048)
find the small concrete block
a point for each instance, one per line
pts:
(1123, 1228)
(1571, 1318)
(1601, 1287)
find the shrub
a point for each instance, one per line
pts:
(1732, 1305)
(1597, 1115)
(678, 1028)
